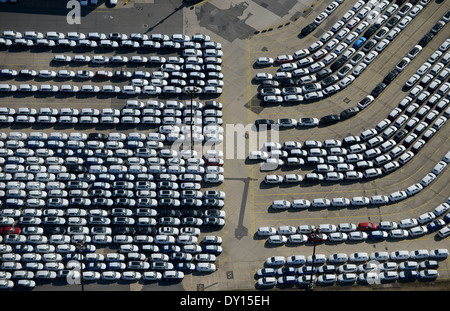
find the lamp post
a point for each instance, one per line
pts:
(80, 247)
(314, 238)
(192, 90)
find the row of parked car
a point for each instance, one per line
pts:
(111, 41)
(361, 267)
(377, 200)
(153, 263)
(140, 82)
(409, 227)
(207, 118)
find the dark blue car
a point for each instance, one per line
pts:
(378, 235)
(408, 275)
(286, 271)
(306, 270)
(447, 218)
(436, 225)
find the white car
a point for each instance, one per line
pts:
(275, 261)
(399, 255)
(440, 253)
(281, 204)
(264, 61)
(359, 257)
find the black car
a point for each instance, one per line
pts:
(329, 119)
(369, 45)
(263, 122)
(53, 229)
(330, 80)
(192, 213)
(391, 23)
(270, 83)
(146, 230)
(426, 39)
(337, 64)
(370, 31)
(123, 230)
(378, 89)
(97, 136)
(390, 76)
(400, 135)
(122, 75)
(437, 27)
(170, 213)
(308, 29)
(288, 82)
(349, 112)
(76, 169)
(323, 73)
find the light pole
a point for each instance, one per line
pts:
(314, 238)
(192, 90)
(80, 246)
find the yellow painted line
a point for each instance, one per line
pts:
(204, 1)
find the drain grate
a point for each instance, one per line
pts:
(230, 275)
(346, 100)
(200, 287)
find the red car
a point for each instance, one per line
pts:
(284, 59)
(9, 230)
(318, 237)
(103, 74)
(214, 162)
(367, 226)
